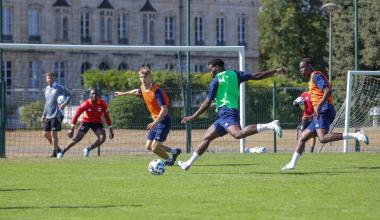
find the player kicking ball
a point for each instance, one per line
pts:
(322, 101)
(158, 105)
(94, 108)
(225, 89)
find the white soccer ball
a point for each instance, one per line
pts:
(156, 167)
(61, 99)
(300, 101)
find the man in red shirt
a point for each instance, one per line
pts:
(94, 108)
(304, 102)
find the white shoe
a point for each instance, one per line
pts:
(59, 155)
(288, 167)
(86, 152)
(277, 128)
(360, 136)
(184, 165)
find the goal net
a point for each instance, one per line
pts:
(360, 110)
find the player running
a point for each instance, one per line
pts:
(322, 100)
(158, 105)
(94, 108)
(304, 102)
(225, 89)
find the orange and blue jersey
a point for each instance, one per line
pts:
(317, 83)
(154, 98)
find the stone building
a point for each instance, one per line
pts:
(119, 22)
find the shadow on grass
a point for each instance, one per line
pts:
(14, 190)
(226, 165)
(70, 207)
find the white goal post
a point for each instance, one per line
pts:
(350, 79)
(70, 47)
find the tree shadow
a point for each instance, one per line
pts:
(70, 207)
(15, 190)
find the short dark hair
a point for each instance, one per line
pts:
(308, 61)
(216, 62)
(51, 74)
(95, 90)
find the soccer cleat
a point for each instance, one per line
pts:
(360, 136)
(179, 151)
(184, 165)
(169, 162)
(86, 152)
(287, 167)
(55, 151)
(277, 128)
(59, 155)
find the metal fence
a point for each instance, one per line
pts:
(262, 106)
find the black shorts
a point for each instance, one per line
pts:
(53, 124)
(85, 126)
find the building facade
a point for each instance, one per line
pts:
(119, 22)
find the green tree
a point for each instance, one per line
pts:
(31, 113)
(291, 30)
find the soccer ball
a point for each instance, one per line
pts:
(156, 167)
(61, 99)
(300, 101)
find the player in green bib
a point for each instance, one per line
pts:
(225, 89)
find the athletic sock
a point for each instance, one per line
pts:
(295, 158)
(263, 127)
(173, 150)
(349, 135)
(193, 158)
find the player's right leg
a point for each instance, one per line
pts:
(78, 137)
(100, 134)
(47, 134)
(210, 135)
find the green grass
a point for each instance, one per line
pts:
(219, 186)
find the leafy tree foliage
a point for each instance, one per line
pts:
(31, 113)
(291, 30)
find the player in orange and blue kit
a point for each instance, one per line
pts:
(322, 100)
(157, 103)
(94, 109)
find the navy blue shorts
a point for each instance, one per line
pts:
(85, 126)
(226, 118)
(326, 117)
(161, 131)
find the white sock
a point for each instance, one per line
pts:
(263, 127)
(349, 135)
(295, 158)
(173, 150)
(193, 158)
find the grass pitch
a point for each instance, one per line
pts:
(219, 186)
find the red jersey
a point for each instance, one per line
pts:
(309, 110)
(92, 112)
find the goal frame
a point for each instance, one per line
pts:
(69, 47)
(349, 88)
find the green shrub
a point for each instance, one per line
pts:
(129, 112)
(31, 114)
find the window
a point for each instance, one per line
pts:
(198, 68)
(148, 28)
(61, 24)
(241, 31)
(85, 66)
(122, 29)
(60, 72)
(6, 72)
(106, 26)
(34, 75)
(7, 23)
(85, 30)
(198, 30)
(123, 66)
(34, 24)
(169, 66)
(169, 30)
(104, 66)
(220, 32)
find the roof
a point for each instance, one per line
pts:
(61, 3)
(105, 5)
(148, 7)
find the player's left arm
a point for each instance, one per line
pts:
(108, 119)
(266, 74)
